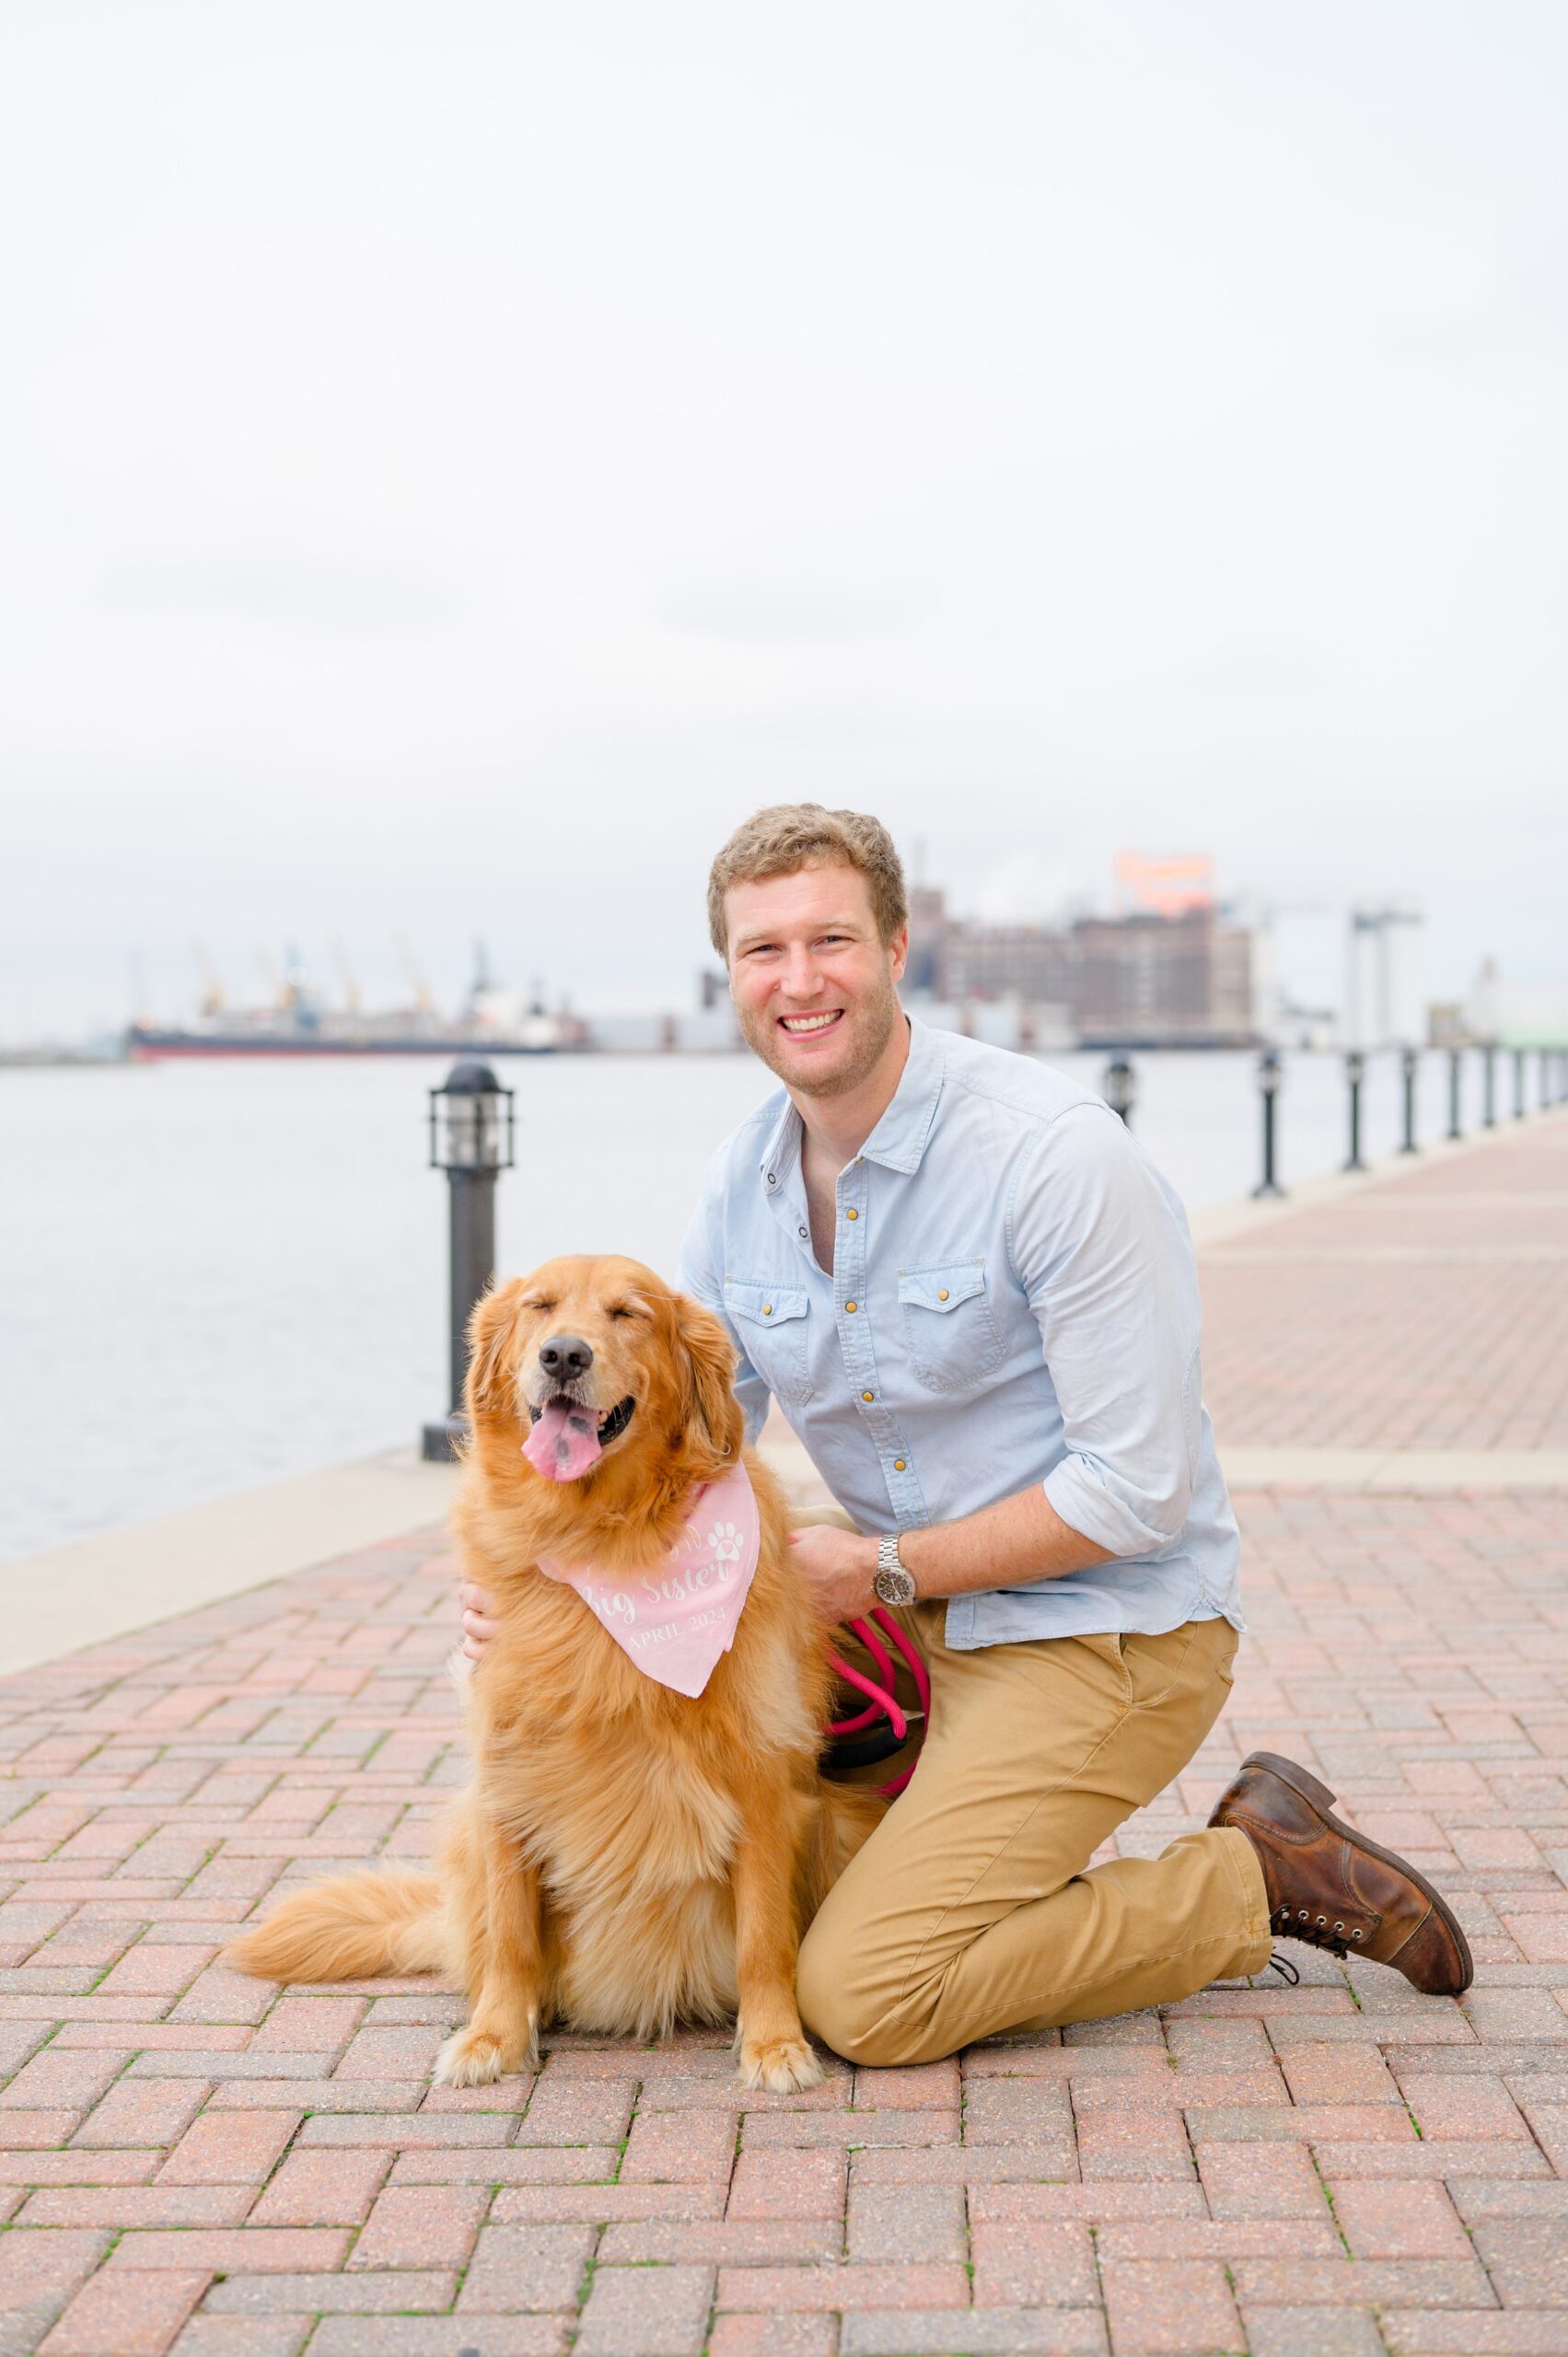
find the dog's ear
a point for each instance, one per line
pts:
(710, 1410)
(490, 1333)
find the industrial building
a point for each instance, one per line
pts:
(1139, 979)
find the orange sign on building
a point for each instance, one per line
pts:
(1167, 888)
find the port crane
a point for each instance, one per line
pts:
(212, 984)
(351, 998)
(270, 974)
(423, 998)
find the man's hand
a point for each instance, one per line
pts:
(838, 1566)
(479, 1622)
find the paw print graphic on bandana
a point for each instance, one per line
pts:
(725, 1541)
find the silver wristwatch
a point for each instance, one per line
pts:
(892, 1583)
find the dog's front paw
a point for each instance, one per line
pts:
(475, 2058)
(785, 2066)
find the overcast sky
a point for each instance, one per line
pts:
(456, 460)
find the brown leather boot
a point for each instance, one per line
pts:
(1334, 1887)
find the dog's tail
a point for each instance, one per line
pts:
(348, 1929)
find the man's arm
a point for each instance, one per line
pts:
(1018, 1539)
(1107, 1267)
(1106, 1259)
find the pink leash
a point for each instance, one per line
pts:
(880, 1700)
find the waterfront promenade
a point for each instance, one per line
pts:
(191, 2161)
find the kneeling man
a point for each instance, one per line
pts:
(974, 1300)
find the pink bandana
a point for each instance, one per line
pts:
(676, 1620)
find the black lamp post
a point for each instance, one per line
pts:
(470, 1138)
(1355, 1073)
(1270, 1078)
(1410, 1063)
(1120, 1089)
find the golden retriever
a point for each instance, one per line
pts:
(627, 1857)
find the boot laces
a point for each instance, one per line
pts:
(1299, 1924)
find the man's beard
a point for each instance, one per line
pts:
(872, 1020)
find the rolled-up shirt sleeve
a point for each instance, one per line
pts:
(699, 1275)
(1106, 1259)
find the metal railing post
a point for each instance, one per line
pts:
(1489, 1085)
(1270, 1079)
(1121, 1088)
(1456, 1128)
(1410, 1061)
(1355, 1072)
(471, 1141)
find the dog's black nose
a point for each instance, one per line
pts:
(565, 1357)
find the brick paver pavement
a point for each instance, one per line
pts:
(1426, 1312)
(192, 2161)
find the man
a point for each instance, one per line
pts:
(974, 1300)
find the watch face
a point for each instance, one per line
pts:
(894, 1586)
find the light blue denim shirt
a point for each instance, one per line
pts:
(1014, 1299)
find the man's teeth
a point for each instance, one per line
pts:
(811, 1022)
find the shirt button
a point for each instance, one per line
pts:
(898, 1464)
(767, 1309)
(852, 1214)
(942, 1294)
(773, 1178)
(803, 1231)
(868, 1395)
(851, 1307)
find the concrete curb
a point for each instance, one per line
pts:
(1395, 1471)
(103, 1587)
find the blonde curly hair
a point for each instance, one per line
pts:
(789, 836)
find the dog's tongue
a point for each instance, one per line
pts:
(564, 1442)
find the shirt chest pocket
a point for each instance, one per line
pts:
(774, 1323)
(950, 1331)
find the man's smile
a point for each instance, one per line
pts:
(802, 1026)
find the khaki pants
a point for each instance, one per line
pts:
(973, 1908)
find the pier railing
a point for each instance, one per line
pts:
(1120, 1089)
(471, 1142)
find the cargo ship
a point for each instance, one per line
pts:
(492, 1021)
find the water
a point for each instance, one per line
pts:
(217, 1273)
